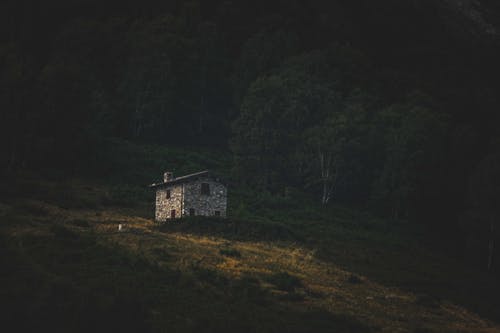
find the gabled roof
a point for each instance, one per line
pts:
(183, 179)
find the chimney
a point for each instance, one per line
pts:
(168, 176)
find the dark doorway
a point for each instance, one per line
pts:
(191, 211)
(172, 214)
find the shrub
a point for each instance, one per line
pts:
(284, 281)
(230, 253)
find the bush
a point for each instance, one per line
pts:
(230, 253)
(284, 281)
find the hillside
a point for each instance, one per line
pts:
(277, 264)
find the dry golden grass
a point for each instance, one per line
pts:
(323, 284)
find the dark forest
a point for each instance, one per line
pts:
(388, 109)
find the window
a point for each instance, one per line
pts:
(172, 214)
(168, 194)
(205, 189)
(191, 211)
(217, 213)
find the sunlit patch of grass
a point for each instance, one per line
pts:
(200, 271)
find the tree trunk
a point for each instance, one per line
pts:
(329, 182)
(324, 199)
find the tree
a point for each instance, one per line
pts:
(262, 139)
(329, 150)
(262, 53)
(484, 194)
(275, 112)
(411, 134)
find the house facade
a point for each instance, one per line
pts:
(197, 194)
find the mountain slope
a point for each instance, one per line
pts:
(273, 266)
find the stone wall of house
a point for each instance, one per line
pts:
(165, 206)
(206, 205)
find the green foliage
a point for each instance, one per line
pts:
(275, 112)
(413, 151)
(315, 100)
(304, 99)
(338, 145)
(134, 165)
(103, 276)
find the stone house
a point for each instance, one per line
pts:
(196, 194)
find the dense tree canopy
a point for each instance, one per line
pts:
(388, 105)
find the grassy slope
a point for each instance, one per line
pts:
(274, 266)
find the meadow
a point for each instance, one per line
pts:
(276, 264)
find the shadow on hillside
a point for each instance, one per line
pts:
(233, 229)
(432, 277)
(67, 281)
